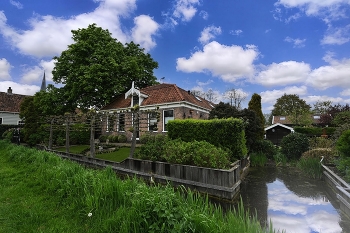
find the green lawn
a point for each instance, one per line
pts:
(116, 156)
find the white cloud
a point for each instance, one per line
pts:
(185, 10)
(284, 73)
(34, 74)
(332, 75)
(345, 92)
(145, 28)
(209, 33)
(312, 7)
(227, 62)
(18, 88)
(5, 68)
(337, 36)
(271, 96)
(204, 15)
(48, 35)
(16, 4)
(236, 32)
(297, 43)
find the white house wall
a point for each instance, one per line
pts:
(9, 118)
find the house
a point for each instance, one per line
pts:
(285, 120)
(9, 108)
(276, 132)
(158, 104)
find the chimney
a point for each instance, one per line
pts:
(9, 91)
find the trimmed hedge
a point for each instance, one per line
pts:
(314, 131)
(294, 145)
(225, 133)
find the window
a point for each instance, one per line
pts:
(317, 117)
(152, 122)
(135, 100)
(20, 122)
(167, 116)
(121, 122)
(0, 121)
(282, 118)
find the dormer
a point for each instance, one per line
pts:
(137, 96)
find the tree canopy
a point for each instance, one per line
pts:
(255, 105)
(291, 105)
(96, 68)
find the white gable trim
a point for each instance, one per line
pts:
(279, 124)
(134, 91)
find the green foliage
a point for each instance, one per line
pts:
(265, 147)
(290, 105)
(343, 144)
(113, 138)
(103, 138)
(311, 167)
(96, 68)
(339, 131)
(294, 144)
(153, 149)
(280, 159)
(255, 105)
(341, 118)
(315, 131)
(224, 133)
(196, 153)
(222, 110)
(122, 138)
(327, 154)
(258, 159)
(79, 134)
(343, 166)
(320, 142)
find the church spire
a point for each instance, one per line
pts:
(43, 84)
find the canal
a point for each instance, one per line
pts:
(292, 202)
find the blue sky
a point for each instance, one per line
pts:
(268, 47)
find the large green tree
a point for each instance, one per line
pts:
(255, 105)
(291, 105)
(96, 68)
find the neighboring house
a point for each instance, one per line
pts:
(9, 108)
(315, 119)
(276, 132)
(170, 101)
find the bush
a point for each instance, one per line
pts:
(343, 144)
(103, 138)
(294, 145)
(343, 166)
(122, 138)
(265, 147)
(311, 167)
(280, 159)
(196, 153)
(327, 154)
(339, 131)
(320, 142)
(153, 149)
(113, 138)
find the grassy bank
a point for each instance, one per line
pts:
(39, 192)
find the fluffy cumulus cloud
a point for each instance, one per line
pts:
(185, 10)
(336, 74)
(284, 73)
(270, 97)
(48, 35)
(5, 68)
(209, 33)
(337, 36)
(145, 28)
(227, 62)
(34, 74)
(17, 88)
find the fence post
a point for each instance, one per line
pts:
(92, 137)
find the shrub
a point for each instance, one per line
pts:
(320, 142)
(265, 147)
(343, 166)
(280, 159)
(144, 138)
(122, 138)
(153, 149)
(113, 138)
(339, 131)
(343, 144)
(311, 167)
(294, 144)
(103, 138)
(327, 154)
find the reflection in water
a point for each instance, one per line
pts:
(292, 202)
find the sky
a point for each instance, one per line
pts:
(270, 47)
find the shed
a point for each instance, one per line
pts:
(276, 132)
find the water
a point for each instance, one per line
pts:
(292, 202)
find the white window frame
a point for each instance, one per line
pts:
(165, 121)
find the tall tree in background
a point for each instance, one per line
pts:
(291, 105)
(255, 105)
(96, 68)
(236, 97)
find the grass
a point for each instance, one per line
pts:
(117, 156)
(258, 159)
(41, 192)
(311, 167)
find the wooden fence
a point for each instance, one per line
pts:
(220, 183)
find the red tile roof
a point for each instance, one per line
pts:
(161, 94)
(10, 102)
(286, 121)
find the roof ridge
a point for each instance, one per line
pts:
(179, 92)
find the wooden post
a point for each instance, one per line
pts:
(92, 137)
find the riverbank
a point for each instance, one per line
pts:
(41, 192)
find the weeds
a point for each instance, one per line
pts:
(311, 167)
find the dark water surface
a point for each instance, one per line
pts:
(292, 202)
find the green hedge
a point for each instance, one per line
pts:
(315, 131)
(225, 133)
